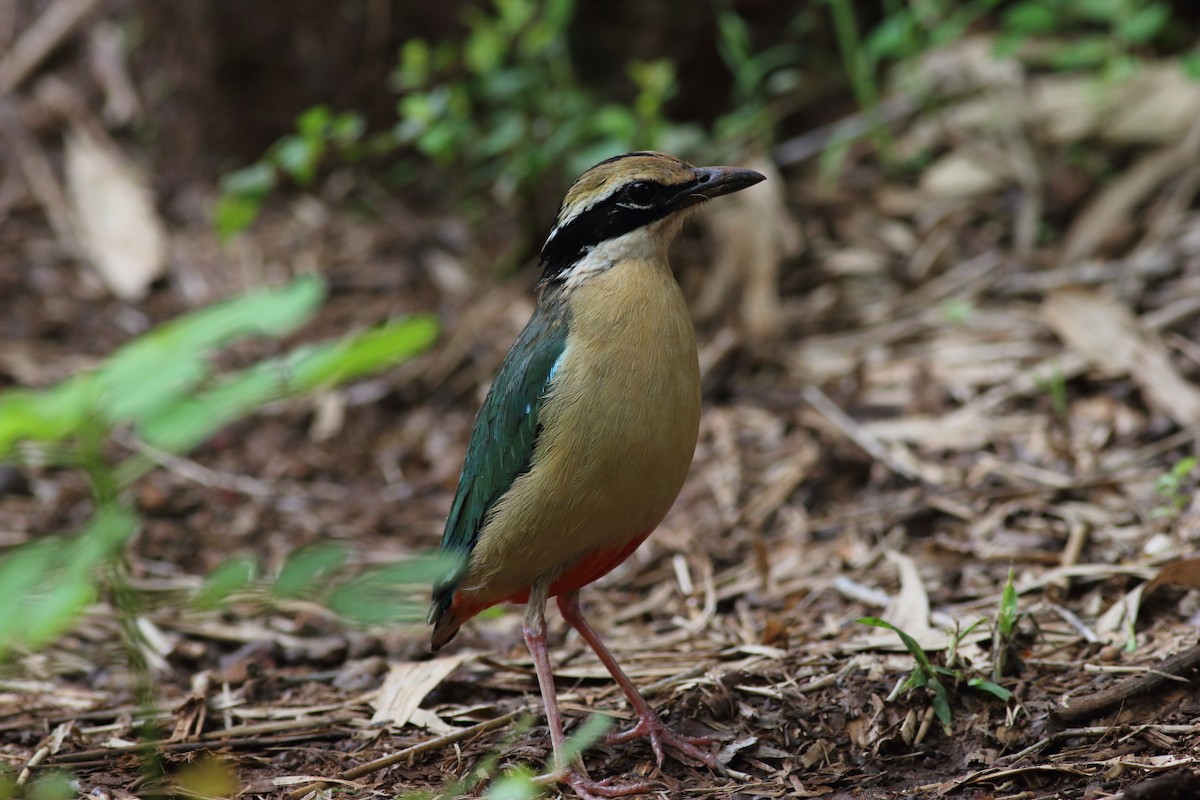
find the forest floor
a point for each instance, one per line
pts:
(979, 365)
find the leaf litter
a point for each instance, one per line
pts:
(982, 365)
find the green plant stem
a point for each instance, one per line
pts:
(862, 81)
(129, 608)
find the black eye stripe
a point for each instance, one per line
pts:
(614, 216)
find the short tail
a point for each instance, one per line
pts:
(441, 615)
(445, 627)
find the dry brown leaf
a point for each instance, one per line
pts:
(1184, 573)
(962, 174)
(407, 684)
(909, 610)
(1111, 210)
(1158, 104)
(964, 65)
(1106, 332)
(1121, 615)
(119, 230)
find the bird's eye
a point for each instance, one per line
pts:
(640, 193)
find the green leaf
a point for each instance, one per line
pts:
(161, 378)
(102, 539)
(1006, 617)
(362, 353)
(21, 570)
(48, 615)
(891, 38)
(255, 180)
(184, 424)
(957, 310)
(234, 213)
(589, 733)
(1191, 64)
(941, 705)
(515, 784)
(1085, 53)
(52, 785)
(483, 50)
(298, 157)
(242, 195)
(144, 378)
(1100, 12)
(1031, 18)
(1144, 24)
(49, 415)
(393, 593)
(189, 420)
(306, 567)
(415, 66)
(990, 688)
(232, 575)
(313, 123)
(45, 586)
(347, 128)
(910, 644)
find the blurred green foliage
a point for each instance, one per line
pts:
(1107, 38)
(519, 782)
(760, 79)
(504, 106)
(505, 111)
(319, 131)
(1176, 487)
(1104, 36)
(1005, 658)
(163, 391)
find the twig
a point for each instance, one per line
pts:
(856, 433)
(1099, 702)
(39, 174)
(1071, 618)
(1093, 732)
(105, 755)
(807, 145)
(1077, 534)
(409, 752)
(54, 25)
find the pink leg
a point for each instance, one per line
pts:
(650, 725)
(573, 774)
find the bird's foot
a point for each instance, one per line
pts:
(588, 789)
(650, 726)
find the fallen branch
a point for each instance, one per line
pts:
(1171, 668)
(409, 752)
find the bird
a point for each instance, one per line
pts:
(588, 430)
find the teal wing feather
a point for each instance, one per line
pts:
(502, 441)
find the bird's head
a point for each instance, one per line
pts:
(630, 206)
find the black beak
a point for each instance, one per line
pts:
(713, 182)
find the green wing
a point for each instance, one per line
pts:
(502, 440)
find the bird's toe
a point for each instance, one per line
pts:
(653, 728)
